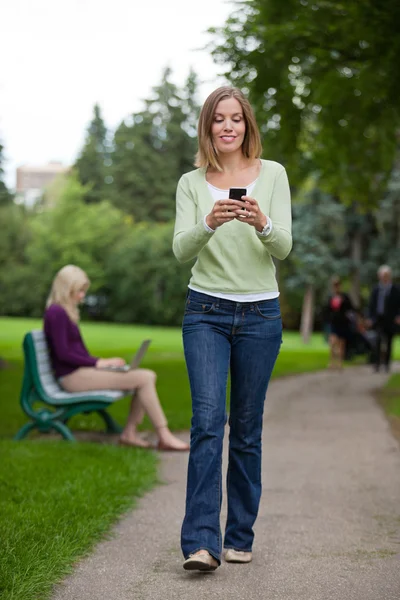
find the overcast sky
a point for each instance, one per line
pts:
(58, 58)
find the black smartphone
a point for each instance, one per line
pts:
(237, 193)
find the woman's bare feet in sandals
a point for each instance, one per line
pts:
(134, 441)
(169, 442)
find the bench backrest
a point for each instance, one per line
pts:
(39, 371)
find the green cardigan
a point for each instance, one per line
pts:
(235, 258)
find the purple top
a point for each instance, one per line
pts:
(67, 350)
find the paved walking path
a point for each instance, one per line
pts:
(329, 522)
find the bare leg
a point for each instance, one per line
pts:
(168, 441)
(135, 417)
(144, 400)
(136, 412)
(341, 351)
(147, 401)
(333, 350)
(337, 347)
(148, 398)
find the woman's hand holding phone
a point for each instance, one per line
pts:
(222, 212)
(239, 207)
(252, 214)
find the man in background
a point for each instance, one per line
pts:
(384, 316)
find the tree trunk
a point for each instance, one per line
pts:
(356, 257)
(307, 314)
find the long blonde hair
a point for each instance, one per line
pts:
(69, 280)
(207, 155)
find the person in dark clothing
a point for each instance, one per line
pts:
(384, 316)
(338, 310)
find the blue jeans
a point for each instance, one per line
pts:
(245, 338)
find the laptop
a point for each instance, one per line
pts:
(136, 359)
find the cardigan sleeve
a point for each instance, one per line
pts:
(279, 241)
(189, 236)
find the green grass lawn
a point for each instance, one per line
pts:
(57, 499)
(391, 396)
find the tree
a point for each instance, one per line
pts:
(14, 238)
(319, 251)
(16, 280)
(384, 246)
(324, 77)
(152, 149)
(73, 232)
(93, 163)
(145, 283)
(5, 196)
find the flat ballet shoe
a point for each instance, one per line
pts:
(200, 562)
(238, 556)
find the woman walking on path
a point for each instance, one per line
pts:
(232, 319)
(78, 371)
(338, 310)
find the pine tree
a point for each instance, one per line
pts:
(153, 148)
(93, 163)
(5, 196)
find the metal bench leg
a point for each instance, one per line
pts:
(64, 430)
(24, 431)
(111, 425)
(57, 425)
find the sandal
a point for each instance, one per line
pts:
(144, 445)
(168, 448)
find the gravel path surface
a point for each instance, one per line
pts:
(329, 522)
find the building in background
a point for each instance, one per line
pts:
(32, 180)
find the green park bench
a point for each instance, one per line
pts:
(40, 385)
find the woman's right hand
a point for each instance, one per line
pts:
(223, 211)
(110, 362)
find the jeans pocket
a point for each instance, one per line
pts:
(197, 307)
(268, 309)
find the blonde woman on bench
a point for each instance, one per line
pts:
(78, 371)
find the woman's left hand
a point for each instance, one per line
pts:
(252, 215)
(110, 362)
